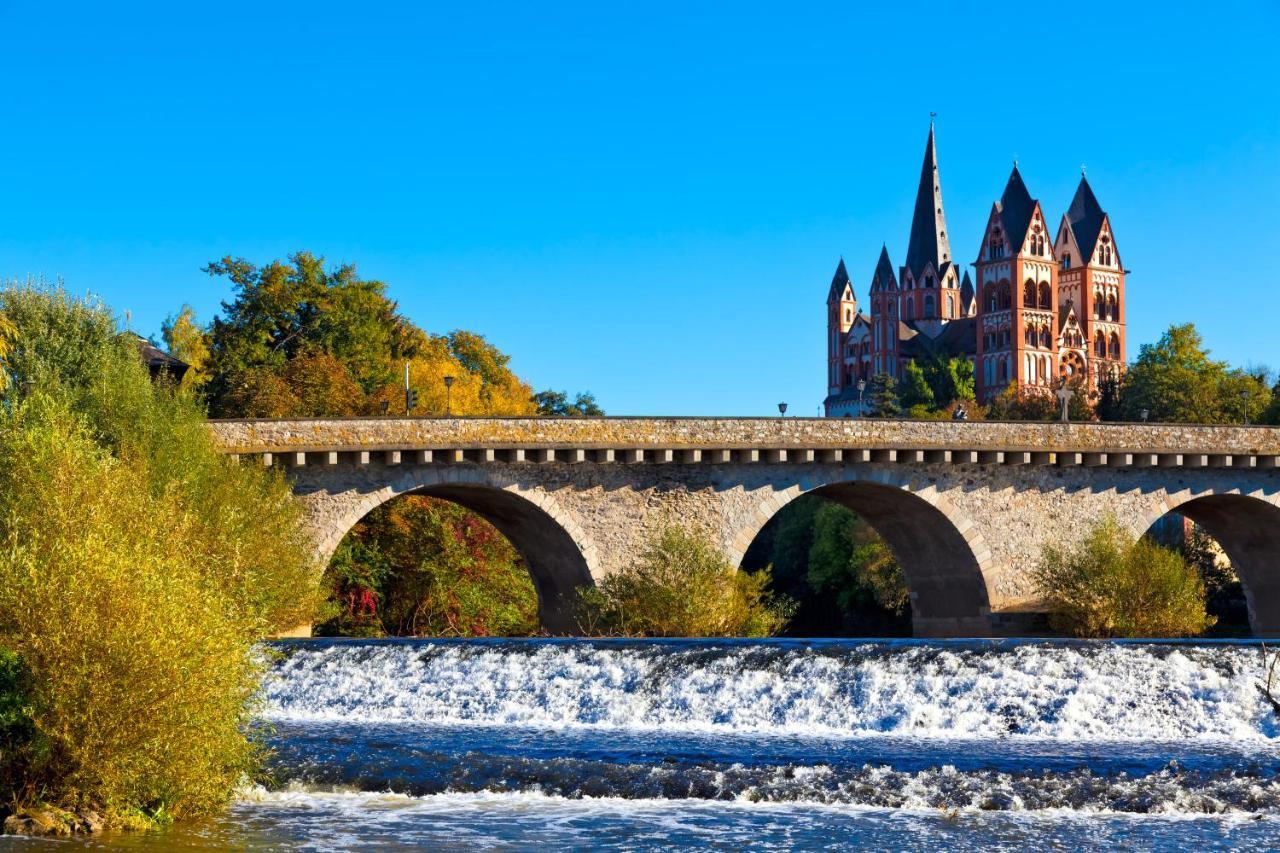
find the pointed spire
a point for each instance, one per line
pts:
(966, 295)
(838, 281)
(1085, 216)
(883, 278)
(1016, 206)
(928, 240)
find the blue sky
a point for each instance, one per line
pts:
(646, 200)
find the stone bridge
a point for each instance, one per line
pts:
(966, 507)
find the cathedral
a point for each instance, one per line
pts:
(1039, 309)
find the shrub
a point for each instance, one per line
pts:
(1110, 585)
(683, 586)
(138, 567)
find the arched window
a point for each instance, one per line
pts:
(1029, 294)
(928, 305)
(1113, 308)
(1046, 296)
(1003, 375)
(1006, 296)
(1030, 335)
(1045, 340)
(1115, 346)
(951, 306)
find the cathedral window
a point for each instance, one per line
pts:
(928, 306)
(951, 306)
(1045, 341)
(1029, 295)
(1046, 296)
(1115, 346)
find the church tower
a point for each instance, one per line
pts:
(884, 317)
(842, 308)
(1091, 276)
(1017, 294)
(929, 284)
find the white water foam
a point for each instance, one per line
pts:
(1082, 692)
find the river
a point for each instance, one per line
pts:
(964, 745)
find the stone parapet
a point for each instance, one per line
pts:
(1169, 445)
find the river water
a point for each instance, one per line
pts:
(966, 745)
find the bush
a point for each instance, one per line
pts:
(138, 566)
(1110, 585)
(683, 586)
(418, 566)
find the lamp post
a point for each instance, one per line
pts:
(1144, 414)
(782, 409)
(862, 386)
(448, 396)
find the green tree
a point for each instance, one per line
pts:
(189, 343)
(557, 404)
(1174, 380)
(286, 308)
(1111, 585)
(849, 562)
(916, 390)
(883, 397)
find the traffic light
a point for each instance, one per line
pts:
(410, 399)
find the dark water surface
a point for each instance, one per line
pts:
(676, 744)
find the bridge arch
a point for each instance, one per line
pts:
(1247, 527)
(948, 567)
(559, 555)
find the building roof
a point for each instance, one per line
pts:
(157, 360)
(957, 338)
(883, 278)
(966, 294)
(838, 281)
(1085, 216)
(928, 242)
(1015, 206)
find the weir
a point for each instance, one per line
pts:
(966, 507)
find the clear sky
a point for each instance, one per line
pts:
(646, 200)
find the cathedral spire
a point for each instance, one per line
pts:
(928, 241)
(1085, 216)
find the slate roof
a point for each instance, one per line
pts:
(883, 278)
(928, 240)
(966, 294)
(1085, 216)
(838, 281)
(1015, 206)
(157, 360)
(957, 338)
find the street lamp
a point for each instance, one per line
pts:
(1144, 414)
(862, 386)
(448, 396)
(782, 409)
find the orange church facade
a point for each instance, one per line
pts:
(1042, 308)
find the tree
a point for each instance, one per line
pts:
(851, 564)
(556, 404)
(1174, 380)
(915, 388)
(189, 343)
(284, 309)
(883, 398)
